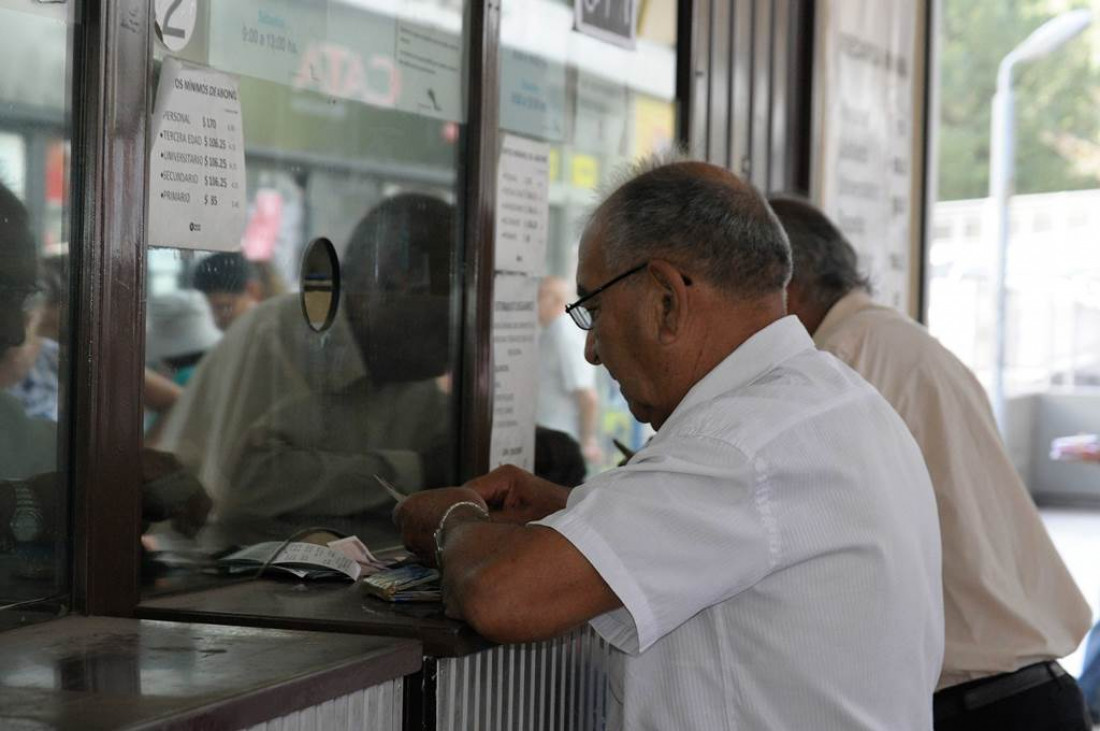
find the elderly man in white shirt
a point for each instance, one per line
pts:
(770, 560)
(1011, 606)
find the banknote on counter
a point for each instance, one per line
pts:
(408, 583)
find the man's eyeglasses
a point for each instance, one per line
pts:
(581, 314)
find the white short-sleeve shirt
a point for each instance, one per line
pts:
(776, 550)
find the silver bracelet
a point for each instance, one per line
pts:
(438, 535)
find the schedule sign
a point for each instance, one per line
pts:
(614, 21)
(515, 370)
(196, 170)
(863, 172)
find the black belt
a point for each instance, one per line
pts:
(969, 696)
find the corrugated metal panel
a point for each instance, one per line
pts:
(559, 685)
(374, 709)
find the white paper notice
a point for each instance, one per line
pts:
(430, 64)
(196, 174)
(863, 176)
(515, 370)
(523, 205)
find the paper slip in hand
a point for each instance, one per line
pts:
(393, 491)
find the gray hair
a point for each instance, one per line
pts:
(699, 216)
(826, 266)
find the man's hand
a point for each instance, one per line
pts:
(419, 515)
(168, 492)
(516, 496)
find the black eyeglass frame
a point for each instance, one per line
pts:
(574, 309)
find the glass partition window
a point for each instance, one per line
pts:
(34, 297)
(595, 106)
(278, 383)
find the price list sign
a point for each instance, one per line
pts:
(197, 181)
(523, 205)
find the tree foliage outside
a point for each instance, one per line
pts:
(1057, 99)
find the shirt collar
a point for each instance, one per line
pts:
(844, 308)
(763, 351)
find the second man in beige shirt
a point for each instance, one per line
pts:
(1011, 607)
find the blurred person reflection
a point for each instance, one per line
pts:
(567, 400)
(180, 331)
(29, 372)
(32, 514)
(53, 278)
(27, 444)
(231, 285)
(281, 421)
(30, 507)
(558, 458)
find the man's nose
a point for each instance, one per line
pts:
(590, 353)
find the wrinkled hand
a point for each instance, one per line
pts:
(419, 514)
(516, 496)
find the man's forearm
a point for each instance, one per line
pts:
(519, 583)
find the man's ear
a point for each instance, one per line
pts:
(672, 300)
(796, 301)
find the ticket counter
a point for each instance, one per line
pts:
(112, 674)
(466, 682)
(252, 252)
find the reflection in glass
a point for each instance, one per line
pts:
(231, 284)
(597, 106)
(34, 144)
(323, 375)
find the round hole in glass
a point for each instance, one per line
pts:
(320, 285)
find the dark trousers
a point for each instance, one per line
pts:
(1089, 679)
(1053, 702)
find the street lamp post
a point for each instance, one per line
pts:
(1002, 169)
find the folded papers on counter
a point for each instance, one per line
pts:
(304, 560)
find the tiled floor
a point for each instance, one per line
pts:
(1076, 533)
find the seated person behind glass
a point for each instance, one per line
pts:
(28, 446)
(282, 421)
(29, 372)
(231, 285)
(180, 330)
(31, 502)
